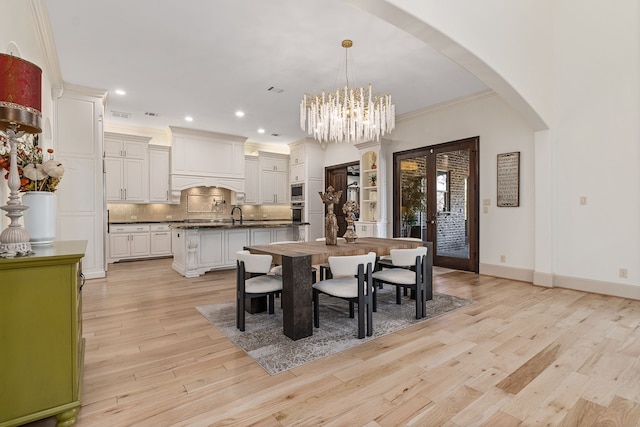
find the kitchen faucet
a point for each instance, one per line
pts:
(233, 220)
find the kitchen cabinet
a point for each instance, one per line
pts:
(252, 180)
(208, 245)
(297, 173)
(236, 240)
(125, 180)
(264, 236)
(125, 146)
(274, 179)
(202, 249)
(261, 236)
(42, 356)
(160, 238)
(79, 144)
(158, 174)
(128, 241)
(126, 168)
(365, 229)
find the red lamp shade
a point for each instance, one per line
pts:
(20, 94)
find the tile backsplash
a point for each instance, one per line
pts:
(199, 202)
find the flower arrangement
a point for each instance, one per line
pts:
(38, 171)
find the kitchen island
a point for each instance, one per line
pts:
(199, 246)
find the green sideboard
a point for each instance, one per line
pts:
(41, 344)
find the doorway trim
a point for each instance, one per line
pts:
(473, 144)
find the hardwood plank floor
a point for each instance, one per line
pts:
(521, 355)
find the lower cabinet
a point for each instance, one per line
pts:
(160, 238)
(198, 250)
(366, 229)
(128, 241)
(41, 344)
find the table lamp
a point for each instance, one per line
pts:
(20, 105)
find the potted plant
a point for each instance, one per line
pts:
(39, 175)
(373, 179)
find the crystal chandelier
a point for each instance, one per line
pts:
(348, 115)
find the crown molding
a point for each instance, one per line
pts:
(45, 37)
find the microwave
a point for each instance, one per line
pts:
(297, 192)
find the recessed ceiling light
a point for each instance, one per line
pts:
(260, 130)
(189, 118)
(120, 92)
(239, 113)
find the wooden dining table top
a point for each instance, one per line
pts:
(320, 251)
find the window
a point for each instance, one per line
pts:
(442, 190)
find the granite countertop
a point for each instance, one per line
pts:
(215, 223)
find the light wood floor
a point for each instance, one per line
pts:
(521, 355)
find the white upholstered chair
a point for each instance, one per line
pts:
(409, 270)
(253, 281)
(351, 281)
(325, 271)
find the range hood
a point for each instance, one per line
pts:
(205, 159)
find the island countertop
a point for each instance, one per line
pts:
(228, 224)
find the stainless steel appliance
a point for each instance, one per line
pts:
(297, 192)
(297, 212)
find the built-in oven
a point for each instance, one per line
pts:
(297, 212)
(297, 192)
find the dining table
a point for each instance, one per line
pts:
(297, 259)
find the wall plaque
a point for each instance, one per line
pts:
(509, 179)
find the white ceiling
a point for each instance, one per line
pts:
(209, 58)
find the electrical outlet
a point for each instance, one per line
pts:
(624, 274)
(503, 258)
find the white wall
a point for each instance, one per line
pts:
(596, 139)
(575, 63)
(503, 231)
(19, 26)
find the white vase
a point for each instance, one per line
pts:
(40, 218)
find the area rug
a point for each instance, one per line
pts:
(264, 341)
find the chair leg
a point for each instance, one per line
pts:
(240, 305)
(351, 310)
(316, 309)
(398, 296)
(369, 306)
(272, 303)
(374, 298)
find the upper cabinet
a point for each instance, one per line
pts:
(158, 174)
(126, 168)
(126, 146)
(252, 180)
(274, 178)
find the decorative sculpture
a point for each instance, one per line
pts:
(350, 209)
(330, 198)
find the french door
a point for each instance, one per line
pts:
(436, 198)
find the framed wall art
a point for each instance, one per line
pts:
(508, 180)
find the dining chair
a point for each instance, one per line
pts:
(408, 271)
(351, 281)
(253, 281)
(277, 269)
(325, 271)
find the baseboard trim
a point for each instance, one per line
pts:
(543, 279)
(512, 273)
(598, 286)
(549, 280)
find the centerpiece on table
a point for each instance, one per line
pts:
(40, 175)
